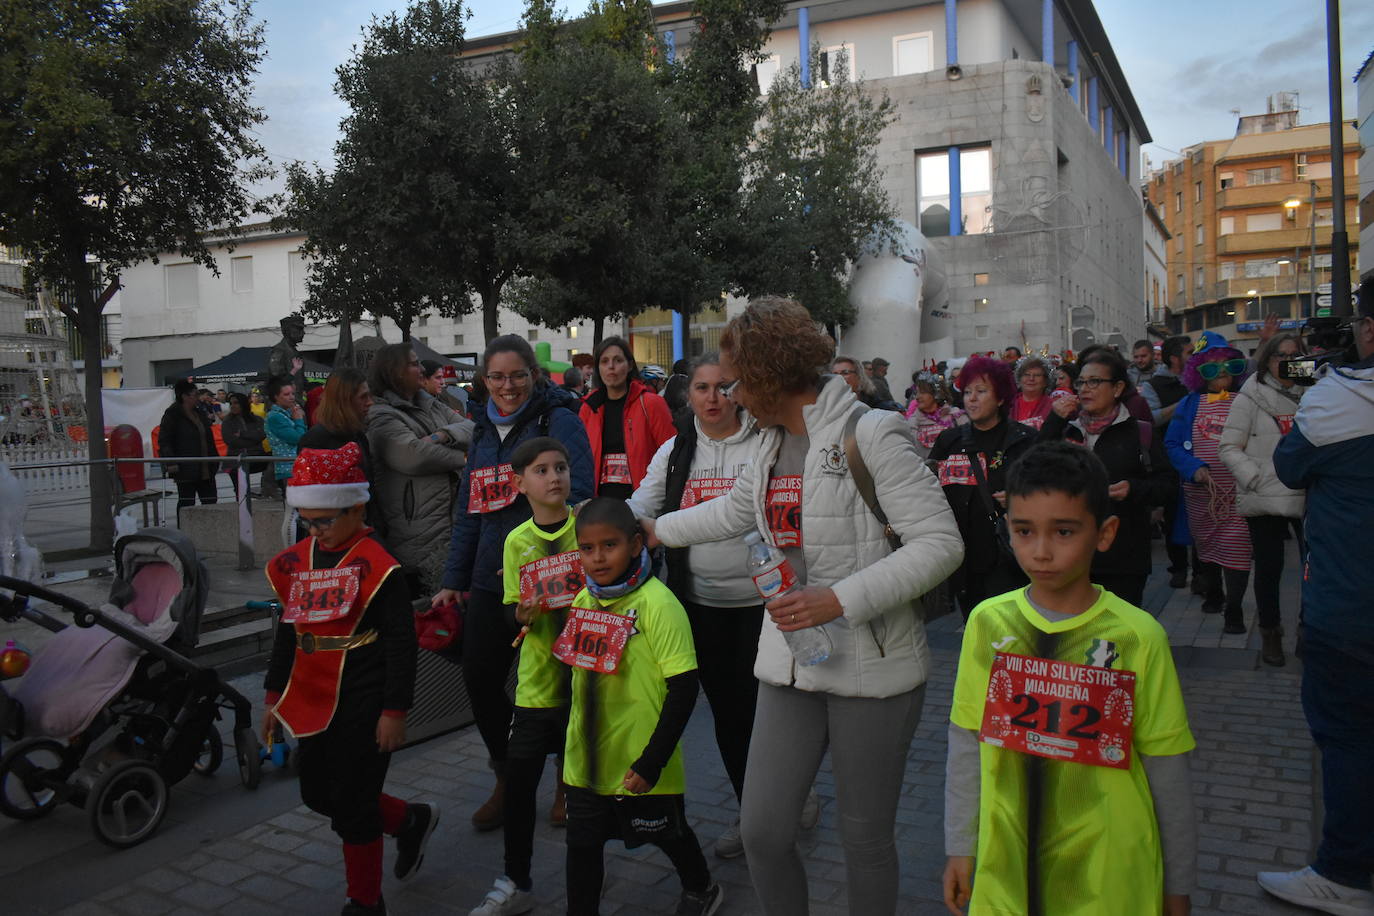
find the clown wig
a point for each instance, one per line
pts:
(1217, 349)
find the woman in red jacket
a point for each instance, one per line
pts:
(626, 422)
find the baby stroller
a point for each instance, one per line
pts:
(111, 712)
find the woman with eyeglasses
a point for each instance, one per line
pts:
(854, 375)
(418, 446)
(519, 406)
(626, 421)
(1212, 374)
(716, 440)
(1140, 476)
(1032, 402)
(862, 703)
(1261, 416)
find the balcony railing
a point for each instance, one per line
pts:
(1275, 194)
(1279, 240)
(1239, 287)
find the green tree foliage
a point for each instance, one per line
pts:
(592, 128)
(411, 218)
(814, 199)
(126, 129)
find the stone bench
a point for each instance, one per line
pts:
(214, 529)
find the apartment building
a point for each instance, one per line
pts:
(1364, 106)
(1251, 220)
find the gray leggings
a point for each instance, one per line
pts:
(868, 741)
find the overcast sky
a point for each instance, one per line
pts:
(1188, 62)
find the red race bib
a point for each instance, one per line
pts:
(704, 489)
(784, 510)
(1285, 421)
(554, 581)
(490, 490)
(594, 640)
(926, 435)
(318, 595)
(615, 468)
(956, 470)
(1060, 710)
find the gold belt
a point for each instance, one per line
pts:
(309, 642)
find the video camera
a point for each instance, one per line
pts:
(1329, 340)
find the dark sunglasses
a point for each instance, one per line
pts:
(324, 523)
(1232, 367)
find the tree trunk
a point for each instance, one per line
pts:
(405, 331)
(598, 329)
(102, 497)
(491, 302)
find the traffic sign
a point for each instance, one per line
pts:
(1324, 301)
(1324, 288)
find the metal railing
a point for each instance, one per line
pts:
(71, 476)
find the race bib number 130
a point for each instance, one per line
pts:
(1060, 710)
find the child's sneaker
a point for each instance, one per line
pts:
(731, 844)
(1307, 888)
(703, 903)
(504, 899)
(413, 837)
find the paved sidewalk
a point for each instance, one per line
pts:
(233, 851)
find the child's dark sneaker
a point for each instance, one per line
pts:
(702, 903)
(413, 837)
(354, 908)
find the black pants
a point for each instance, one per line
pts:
(1224, 585)
(188, 490)
(592, 821)
(1266, 544)
(727, 641)
(534, 735)
(342, 771)
(1130, 589)
(488, 629)
(1178, 553)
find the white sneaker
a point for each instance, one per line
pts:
(505, 899)
(1307, 888)
(731, 844)
(811, 810)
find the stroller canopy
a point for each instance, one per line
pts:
(163, 545)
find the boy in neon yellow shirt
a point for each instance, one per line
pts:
(541, 575)
(634, 683)
(1067, 772)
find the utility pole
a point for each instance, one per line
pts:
(1340, 248)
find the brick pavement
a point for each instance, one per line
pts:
(1252, 780)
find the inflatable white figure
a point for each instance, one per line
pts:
(18, 559)
(898, 318)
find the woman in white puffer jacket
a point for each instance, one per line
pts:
(1262, 415)
(863, 703)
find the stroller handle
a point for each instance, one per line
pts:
(12, 608)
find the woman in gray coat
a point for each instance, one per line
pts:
(419, 446)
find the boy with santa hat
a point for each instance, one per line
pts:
(342, 673)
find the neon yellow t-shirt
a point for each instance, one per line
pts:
(1096, 845)
(542, 681)
(614, 715)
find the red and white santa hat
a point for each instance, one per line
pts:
(328, 478)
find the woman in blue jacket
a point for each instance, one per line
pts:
(488, 508)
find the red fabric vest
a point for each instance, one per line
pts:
(312, 694)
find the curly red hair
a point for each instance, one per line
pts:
(997, 372)
(776, 348)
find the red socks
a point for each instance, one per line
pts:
(363, 868)
(393, 814)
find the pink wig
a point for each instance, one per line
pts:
(998, 374)
(1195, 382)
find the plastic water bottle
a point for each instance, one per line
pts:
(774, 577)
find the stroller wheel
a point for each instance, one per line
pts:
(30, 778)
(250, 762)
(127, 803)
(211, 752)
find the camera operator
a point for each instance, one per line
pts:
(1330, 453)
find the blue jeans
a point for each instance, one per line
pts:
(1338, 700)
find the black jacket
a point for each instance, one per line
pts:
(981, 552)
(244, 435)
(1153, 483)
(321, 436)
(679, 467)
(179, 436)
